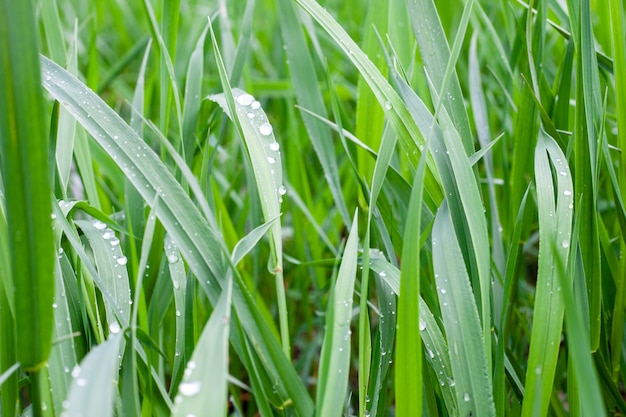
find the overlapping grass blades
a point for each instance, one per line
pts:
(200, 245)
(555, 203)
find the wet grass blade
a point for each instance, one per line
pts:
(335, 357)
(469, 363)
(206, 377)
(93, 389)
(554, 204)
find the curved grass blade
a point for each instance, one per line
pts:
(94, 386)
(555, 223)
(25, 174)
(257, 135)
(461, 322)
(205, 380)
(335, 357)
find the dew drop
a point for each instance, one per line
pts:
(75, 371)
(99, 225)
(271, 160)
(274, 146)
(282, 190)
(114, 327)
(266, 129)
(190, 388)
(255, 105)
(122, 261)
(443, 290)
(250, 115)
(466, 397)
(177, 313)
(172, 258)
(108, 234)
(176, 285)
(245, 99)
(114, 242)
(565, 243)
(567, 193)
(388, 105)
(422, 324)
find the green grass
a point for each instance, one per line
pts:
(299, 208)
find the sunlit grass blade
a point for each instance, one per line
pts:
(335, 356)
(409, 346)
(27, 206)
(437, 355)
(93, 389)
(205, 381)
(470, 367)
(554, 205)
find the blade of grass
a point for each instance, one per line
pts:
(308, 94)
(263, 150)
(24, 150)
(555, 223)
(408, 346)
(93, 388)
(204, 385)
(469, 363)
(334, 365)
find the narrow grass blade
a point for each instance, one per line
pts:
(587, 134)
(302, 72)
(555, 204)
(94, 386)
(460, 319)
(24, 153)
(408, 346)
(335, 357)
(435, 54)
(193, 97)
(204, 385)
(436, 347)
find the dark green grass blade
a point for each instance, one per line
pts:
(24, 164)
(586, 136)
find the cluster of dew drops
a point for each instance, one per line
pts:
(265, 128)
